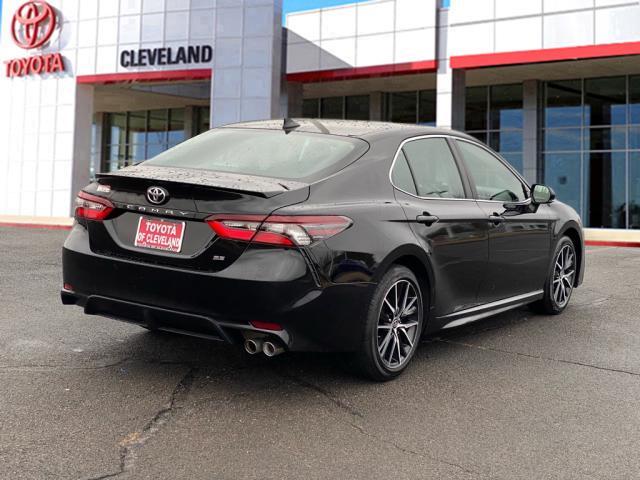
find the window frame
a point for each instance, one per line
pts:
(526, 188)
(462, 171)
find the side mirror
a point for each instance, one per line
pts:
(541, 194)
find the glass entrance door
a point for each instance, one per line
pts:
(592, 148)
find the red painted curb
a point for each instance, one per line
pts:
(41, 226)
(607, 243)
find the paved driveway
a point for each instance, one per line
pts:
(517, 396)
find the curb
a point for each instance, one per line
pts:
(35, 226)
(606, 243)
(48, 223)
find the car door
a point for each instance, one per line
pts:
(519, 240)
(446, 220)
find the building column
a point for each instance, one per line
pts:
(247, 66)
(292, 99)
(190, 122)
(82, 141)
(530, 152)
(451, 84)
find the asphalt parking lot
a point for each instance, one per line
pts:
(517, 396)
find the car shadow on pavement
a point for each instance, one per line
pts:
(214, 359)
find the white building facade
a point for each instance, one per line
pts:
(95, 85)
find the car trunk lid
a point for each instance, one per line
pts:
(174, 232)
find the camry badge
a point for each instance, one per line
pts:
(157, 195)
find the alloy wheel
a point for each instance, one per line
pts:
(564, 272)
(398, 324)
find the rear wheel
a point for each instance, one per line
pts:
(393, 326)
(560, 281)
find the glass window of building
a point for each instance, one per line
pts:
(605, 101)
(131, 137)
(605, 179)
(633, 189)
(562, 172)
(332, 107)
(203, 120)
(476, 109)
(411, 107)
(176, 133)
(563, 106)
(634, 100)
(494, 116)
(403, 107)
(427, 107)
(591, 147)
(311, 108)
(357, 107)
(352, 107)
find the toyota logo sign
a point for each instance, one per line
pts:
(33, 24)
(157, 195)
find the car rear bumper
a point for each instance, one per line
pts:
(268, 285)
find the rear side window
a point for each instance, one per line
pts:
(492, 179)
(434, 168)
(268, 153)
(401, 175)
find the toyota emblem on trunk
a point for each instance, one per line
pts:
(157, 195)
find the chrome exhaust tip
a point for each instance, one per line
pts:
(270, 349)
(253, 346)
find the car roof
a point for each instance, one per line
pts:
(367, 130)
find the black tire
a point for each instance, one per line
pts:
(400, 337)
(550, 304)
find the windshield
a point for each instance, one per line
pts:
(269, 153)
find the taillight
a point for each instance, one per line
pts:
(91, 207)
(278, 230)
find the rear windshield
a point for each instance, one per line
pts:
(270, 153)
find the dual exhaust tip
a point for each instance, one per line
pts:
(257, 345)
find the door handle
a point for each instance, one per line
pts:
(496, 219)
(427, 219)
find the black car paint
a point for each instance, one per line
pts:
(319, 293)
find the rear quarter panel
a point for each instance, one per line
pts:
(380, 231)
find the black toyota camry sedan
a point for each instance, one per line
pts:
(309, 235)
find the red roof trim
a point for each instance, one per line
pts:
(155, 76)
(427, 66)
(545, 55)
(611, 243)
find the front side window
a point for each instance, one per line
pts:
(492, 179)
(434, 168)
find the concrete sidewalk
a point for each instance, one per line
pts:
(62, 223)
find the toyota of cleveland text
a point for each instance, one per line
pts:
(320, 235)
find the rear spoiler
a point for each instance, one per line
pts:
(264, 186)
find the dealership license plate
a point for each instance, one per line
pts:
(160, 234)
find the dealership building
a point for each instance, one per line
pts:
(554, 86)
